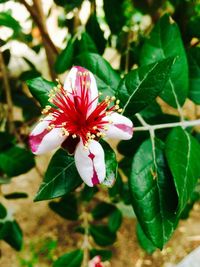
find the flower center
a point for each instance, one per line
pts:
(76, 113)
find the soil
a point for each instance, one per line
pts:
(46, 235)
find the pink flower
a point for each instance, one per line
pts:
(95, 262)
(77, 121)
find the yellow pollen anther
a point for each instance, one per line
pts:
(74, 136)
(65, 132)
(105, 128)
(110, 121)
(93, 136)
(120, 110)
(103, 134)
(116, 107)
(64, 123)
(118, 101)
(99, 134)
(113, 98)
(100, 93)
(94, 127)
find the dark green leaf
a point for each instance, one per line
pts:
(151, 185)
(114, 14)
(71, 259)
(182, 152)
(12, 234)
(3, 211)
(102, 210)
(6, 140)
(107, 78)
(6, 56)
(85, 44)
(144, 242)
(66, 207)
(193, 27)
(194, 67)
(104, 254)
(40, 89)
(160, 46)
(115, 220)
(65, 59)
(61, 177)
(96, 33)
(6, 19)
(102, 235)
(16, 195)
(29, 74)
(116, 190)
(111, 164)
(141, 86)
(88, 192)
(16, 160)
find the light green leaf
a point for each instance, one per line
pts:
(165, 41)
(183, 154)
(151, 185)
(61, 177)
(71, 259)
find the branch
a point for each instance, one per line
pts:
(38, 17)
(10, 116)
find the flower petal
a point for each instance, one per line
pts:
(121, 127)
(90, 163)
(42, 140)
(77, 80)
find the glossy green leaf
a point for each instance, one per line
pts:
(141, 86)
(61, 177)
(115, 220)
(165, 41)
(107, 79)
(151, 185)
(111, 164)
(95, 32)
(3, 211)
(144, 242)
(71, 259)
(182, 152)
(65, 59)
(104, 254)
(102, 235)
(194, 77)
(88, 192)
(12, 234)
(16, 160)
(66, 207)
(102, 210)
(40, 89)
(114, 13)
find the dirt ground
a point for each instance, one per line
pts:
(42, 227)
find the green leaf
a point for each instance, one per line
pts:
(194, 67)
(66, 207)
(102, 235)
(16, 160)
(115, 220)
(141, 86)
(114, 14)
(16, 195)
(102, 210)
(88, 192)
(111, 164)
(85, 44)
(161, 45)
(95, 32)
(151, 185)
(61, 177)
(71, 259)
(12, 234)
(3, 211)
(6, 19)
(107, 78)
(144, 242)
(182, 152)
(104, 254)
(40, 89)
(65, 59)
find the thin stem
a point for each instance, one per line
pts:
(183, 124)
(10, 115)
(86, 243)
